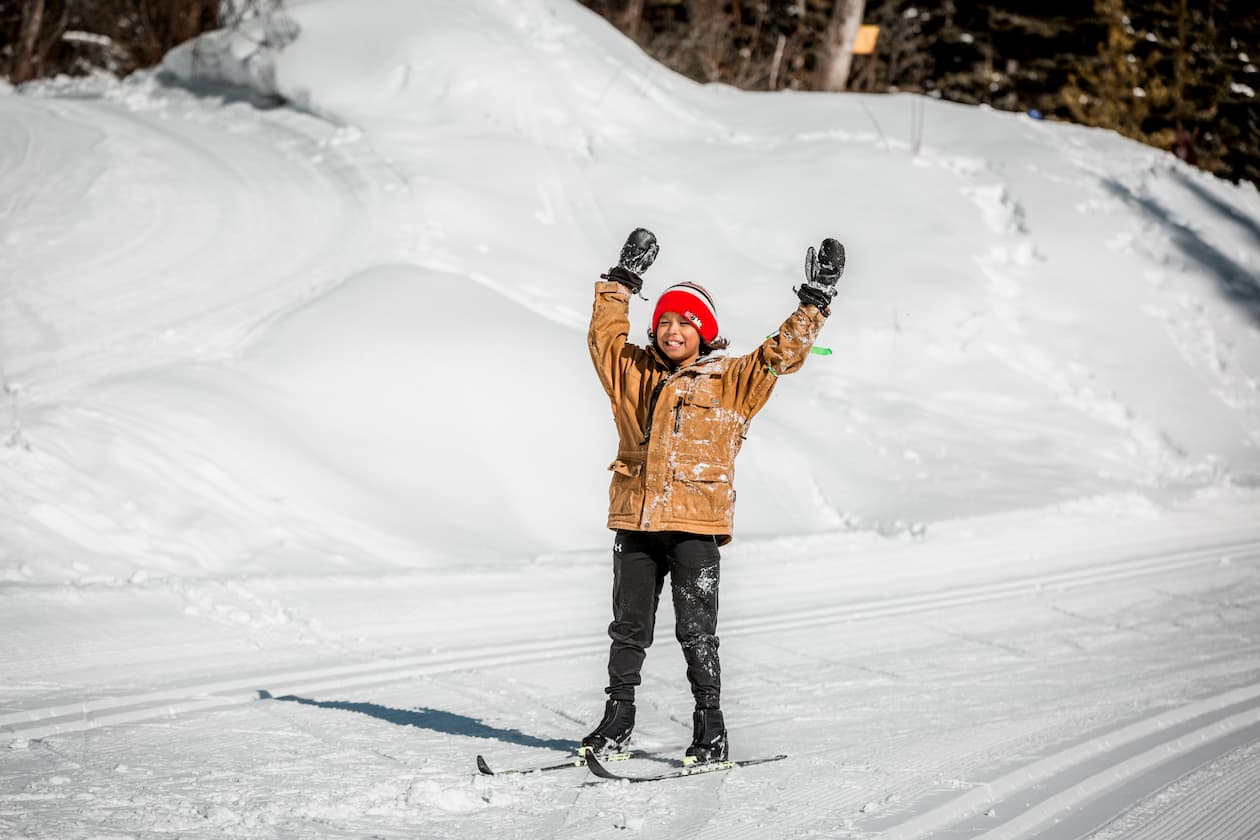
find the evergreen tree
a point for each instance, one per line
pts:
(1178, 74)
(1117, 87)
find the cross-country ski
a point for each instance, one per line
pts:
(597, 767)
(484, 768)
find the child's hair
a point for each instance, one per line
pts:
(719, 343)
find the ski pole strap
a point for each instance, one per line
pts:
(815, 349)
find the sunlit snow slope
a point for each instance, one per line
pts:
(348, 331)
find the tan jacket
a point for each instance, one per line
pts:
(680, 430)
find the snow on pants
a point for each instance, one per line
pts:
(641, 561)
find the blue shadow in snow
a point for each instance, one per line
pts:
(434, 720)
(1234, 281)
(1230, 213)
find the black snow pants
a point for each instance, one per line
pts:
(641, 560)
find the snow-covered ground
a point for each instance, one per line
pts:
(302, 467)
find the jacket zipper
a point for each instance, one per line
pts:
(656, 393)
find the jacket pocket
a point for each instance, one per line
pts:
(625, 488)
(704, 493)
(704, 395)
(705, 425)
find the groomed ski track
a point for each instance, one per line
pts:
(916, 742)
(77, 716)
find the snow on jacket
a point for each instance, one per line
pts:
(679, 430)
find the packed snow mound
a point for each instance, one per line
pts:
(390, 374)
(252, 336)
(453, 60)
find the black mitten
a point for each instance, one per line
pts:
(822, 269)
(636, 255)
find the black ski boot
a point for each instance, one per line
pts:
(613, 731)
(708, 741)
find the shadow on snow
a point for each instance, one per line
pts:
(1234, 281)
(1249, 225)
(435, 720)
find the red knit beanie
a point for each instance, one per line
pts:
(691, 301)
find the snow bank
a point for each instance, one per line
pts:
(351, 333)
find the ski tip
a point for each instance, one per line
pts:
(483, 767)
(592, 764)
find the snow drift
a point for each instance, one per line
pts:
(349, 330)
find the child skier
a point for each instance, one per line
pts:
(681, 416)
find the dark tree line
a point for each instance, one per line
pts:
(40, 38)
(1177, 74)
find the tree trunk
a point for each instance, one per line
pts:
(776, 62)
(631, 18)
(25, 51)
(837, 55)
(1180, 74)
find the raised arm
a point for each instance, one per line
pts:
(786, 350)
(608, 336)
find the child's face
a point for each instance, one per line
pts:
(678, 338)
